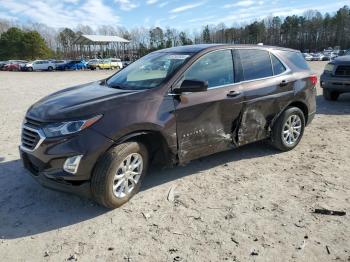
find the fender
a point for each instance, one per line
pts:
(298, 103)
(131, 135)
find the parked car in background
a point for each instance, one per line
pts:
(72, 65)
(98, 139)
(308, 57)
(2, 64)
(333, 55)
(40, 65)
(110, 63)
(59, 62)
(116, 63)
(320, 57)
(92, 64)
(14, 65)
(335, 79)
(126, 63)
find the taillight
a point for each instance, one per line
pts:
(313, 80)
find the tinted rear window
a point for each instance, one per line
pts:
(256, 63)
(297, 59)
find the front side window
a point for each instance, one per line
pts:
(215, 67)
(148, 72)
(256, 63)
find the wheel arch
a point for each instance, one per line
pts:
(303, 107)
(299, 104)
(156, 144)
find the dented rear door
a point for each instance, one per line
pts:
(268, 89)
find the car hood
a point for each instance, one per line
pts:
(342, 60)
(78, 102)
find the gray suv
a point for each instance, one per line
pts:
(335, 79)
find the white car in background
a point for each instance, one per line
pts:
(40, 65)
(116, 63)
(308, 57)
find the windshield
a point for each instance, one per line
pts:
(148, 72)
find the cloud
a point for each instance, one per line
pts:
(58, 14)
(126, 5)
(201, 19)
(151, 2)
(185, 7)
(243, 3)
(163, 4)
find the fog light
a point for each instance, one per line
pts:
(72, 163)
(322, 83)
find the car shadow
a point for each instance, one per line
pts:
(157, 177)
(28, 209)
(338, 107)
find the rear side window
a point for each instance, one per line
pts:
(297, 59)
(278, 67)
(256, 64)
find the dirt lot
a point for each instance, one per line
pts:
(250, 204)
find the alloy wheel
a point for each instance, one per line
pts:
(127, 175)
(291, 130)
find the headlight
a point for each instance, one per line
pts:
(66, 128)
(329, 68)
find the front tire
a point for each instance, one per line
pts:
(118, 174)
(330, 95)
(50, 68)
(288, 129)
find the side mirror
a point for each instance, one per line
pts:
(192, 86)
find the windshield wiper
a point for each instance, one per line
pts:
(116, 86)
(104, 83)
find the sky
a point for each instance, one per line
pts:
(181, 14)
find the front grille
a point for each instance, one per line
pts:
(343, 70)
(30, 138)
(32, 122)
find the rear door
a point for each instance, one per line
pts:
(43, 65)
(206, 120)
(268, 88)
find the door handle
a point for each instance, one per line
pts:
(284, 83)
(233, 93)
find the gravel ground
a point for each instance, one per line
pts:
(249, 204)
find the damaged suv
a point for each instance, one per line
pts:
(169, 107)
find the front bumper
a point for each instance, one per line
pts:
(339, 84)
(82, 189)
(46, 162)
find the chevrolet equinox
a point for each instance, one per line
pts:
(169, 107)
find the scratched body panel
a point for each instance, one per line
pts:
(205, 122)
(263, 100)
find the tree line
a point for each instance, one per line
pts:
(311, 31)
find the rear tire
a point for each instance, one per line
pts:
(113, 168)
(288, 129)
(330, 95)
(50, 68)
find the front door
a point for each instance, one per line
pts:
(207, 120)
